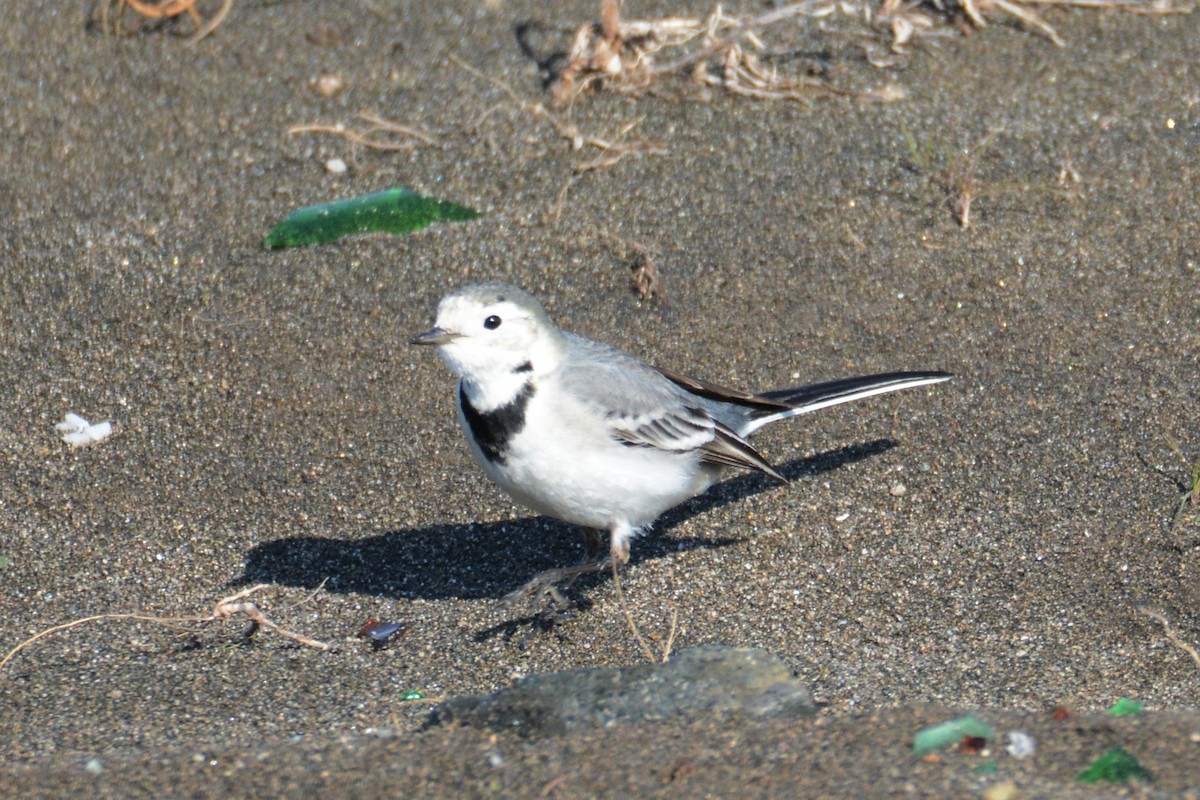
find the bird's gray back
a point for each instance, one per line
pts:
(622, 385)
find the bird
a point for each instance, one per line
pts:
(584, 432)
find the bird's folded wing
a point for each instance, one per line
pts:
(678, 429)
(644, 407)
(732, 450)
(688, 428)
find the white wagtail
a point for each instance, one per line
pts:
(584, 432)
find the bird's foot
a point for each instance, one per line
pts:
(552, 583)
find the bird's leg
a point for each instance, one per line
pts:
(548, 582)
(593, 545)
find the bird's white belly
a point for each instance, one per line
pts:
(565, 465)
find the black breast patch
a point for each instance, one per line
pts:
(492, 430)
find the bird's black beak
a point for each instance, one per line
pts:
(434, 336)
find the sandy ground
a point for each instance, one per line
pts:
(983, 545)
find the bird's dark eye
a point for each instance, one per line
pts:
(492, 322)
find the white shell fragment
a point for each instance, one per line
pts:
(1020, 744)
(78, 432)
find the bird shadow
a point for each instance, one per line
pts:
(488, 560)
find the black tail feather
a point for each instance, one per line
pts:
(819, 395)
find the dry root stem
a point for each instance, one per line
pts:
(224, 609)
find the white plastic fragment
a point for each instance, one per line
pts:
(78, 432)
(1020, 744)
(336, 166)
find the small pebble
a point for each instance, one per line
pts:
(381, 733)
(1020, 744)
(93, 766)
(327, 84)
(335, 166)
(898, 490)
(1006, 790)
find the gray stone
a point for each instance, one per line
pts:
(701, 680)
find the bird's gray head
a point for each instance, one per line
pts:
(488, 330)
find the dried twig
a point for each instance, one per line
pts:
(1192, 488)
(237, 604)
(560, 203)
(629, 617)
(164, 9)
(161, 10)
(906, 19)
(666, 651)
(204, 30)
(1172, 636)
(308, 597)
(671, 634)
(1028, 17)
(223, 609)
(618, 149)
(370, 136)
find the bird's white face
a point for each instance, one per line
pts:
(487, 337)
(496, 338)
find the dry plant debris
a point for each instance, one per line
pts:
(630, 56)
(651, 656)
(615, 148)
(955, 170)
(112, 15)
(1023, 11)
(962, 183)
(1171, 635)
(1192, 487)
(723, 49)
(645, 276)
(377, 134)
(905, 18)
(224, 609)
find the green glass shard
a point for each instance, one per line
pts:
(392, 211)
(1115, 766)
(1125, 707)
(413, 694)
(935, 737)
(987, 768)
